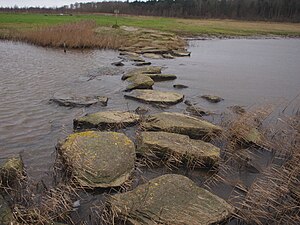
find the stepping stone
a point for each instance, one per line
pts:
(99, 159)
(180, 53)
(179, 86)
(142, 63)
(168, 56)
(181, 124)
(153, 96)
(106, 120)
(152, 56)
(169, 199)
(170, 146)
(161, 77)
(139, 82)
(212, 98)
(72, 101)
(129, 54)
(143, 70)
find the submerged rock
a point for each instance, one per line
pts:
(179, 86)
(139, 82)
(212, 98)
(170, 199)
(153, 96)
(106, 120)
(72, 101)
(141, 110)
(181, 124)
(170, 146)
(142, 63)
(197, 111)
(119, 63)
(11, 171)
(237, 109)
(143, 70)
(181, 53)
(99, 159)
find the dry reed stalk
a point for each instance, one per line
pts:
(74, 35)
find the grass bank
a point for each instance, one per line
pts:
(190, 27)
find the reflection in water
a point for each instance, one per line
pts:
(243, 72)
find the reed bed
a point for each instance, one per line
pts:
(73, 35)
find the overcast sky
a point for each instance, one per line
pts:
(41, 3)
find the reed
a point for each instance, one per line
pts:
(73, 35)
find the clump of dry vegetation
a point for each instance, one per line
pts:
(273, 197)
(73, 35)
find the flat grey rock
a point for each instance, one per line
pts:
(106, 120)
(153, 96)
(181, 124)
(169, 199)
(169, 146)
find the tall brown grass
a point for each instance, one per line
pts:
(74, 35)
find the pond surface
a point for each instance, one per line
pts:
(243, 72)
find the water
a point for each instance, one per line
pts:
(243, 72)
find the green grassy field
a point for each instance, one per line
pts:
(189, 27)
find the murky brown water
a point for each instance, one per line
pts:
(243, 72)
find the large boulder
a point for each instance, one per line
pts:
(139, 82)
(153, 96)
(143, 70)
(177, 149)
(99, 159)
(107, 120)
(181, 124)
(169, 199)
(72, 101)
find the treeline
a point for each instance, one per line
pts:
(280, 10)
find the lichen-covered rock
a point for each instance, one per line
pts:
(143, 70)
(11, 171)
(181, 124)
(212, 98)
(177, 149)
(153, 96)
(6, 215)
(169, 199)
(107, 120)
(99, 159)
(72, 101)
(139, 82)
